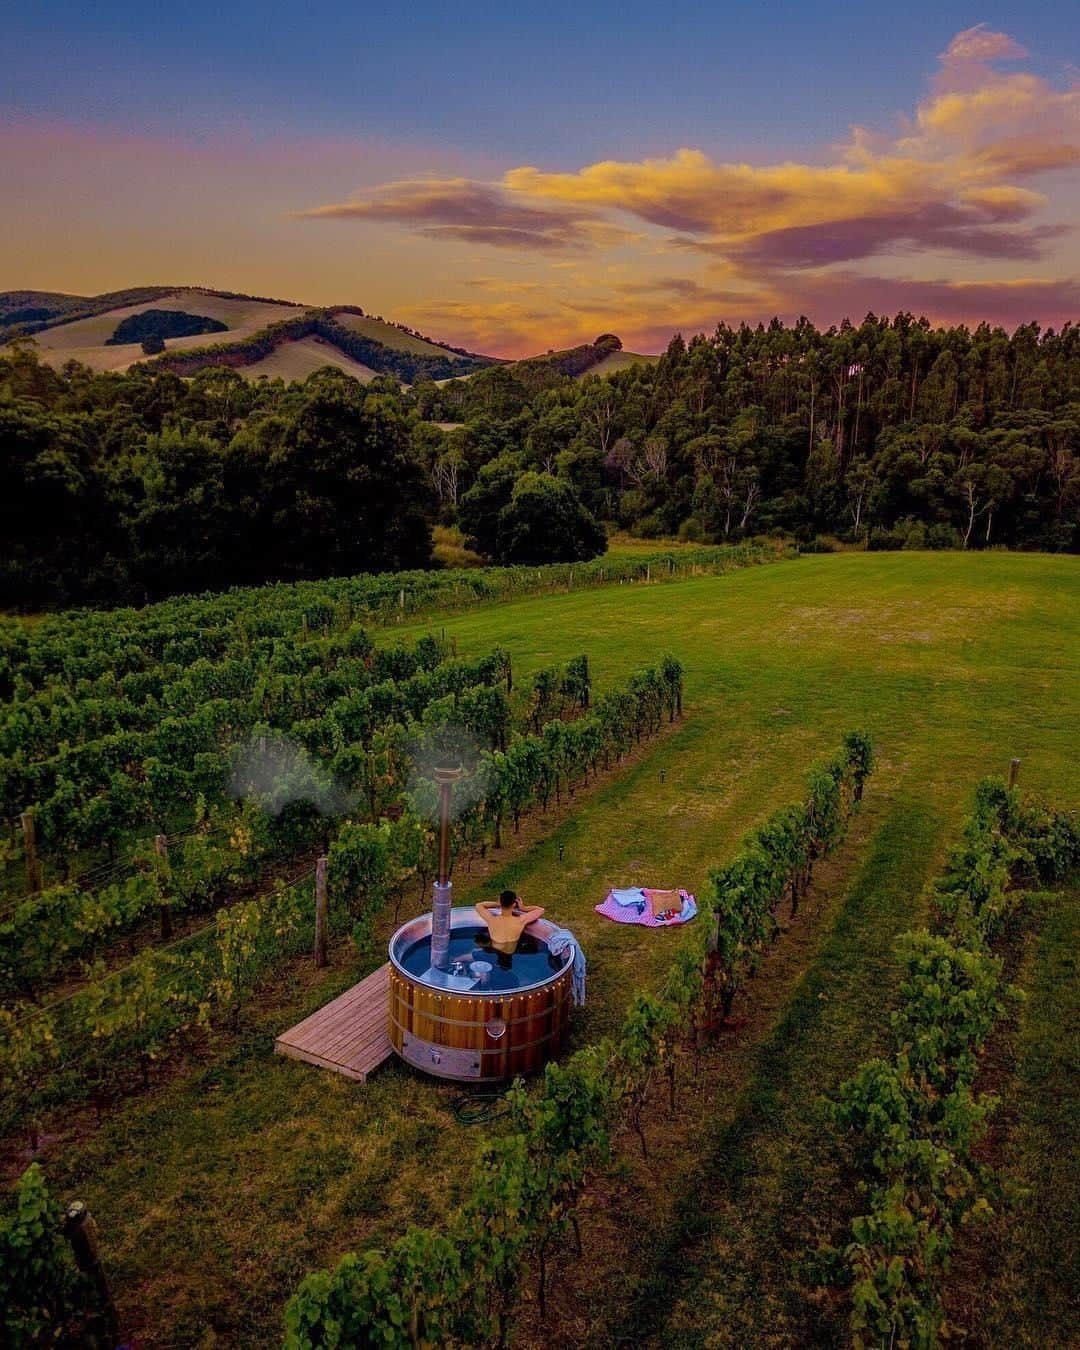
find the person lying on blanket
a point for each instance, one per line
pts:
(507, 920)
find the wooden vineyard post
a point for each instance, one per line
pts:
(320, 913)
(1014, 772)
(33, 862)
(161, 848)
(81, 1232)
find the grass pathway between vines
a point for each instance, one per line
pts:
(1040, 1277)
(769, 1182)
(239, 1171)
(1015, 1280)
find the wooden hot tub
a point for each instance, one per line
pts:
(480, 1033)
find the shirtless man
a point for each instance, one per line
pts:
(506, 921)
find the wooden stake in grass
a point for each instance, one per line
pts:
(320, 913)
(1014, 772)
(161, 848)
(81, 1232)
(33, 862)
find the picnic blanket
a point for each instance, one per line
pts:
(646, 910)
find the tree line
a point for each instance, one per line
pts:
(131, 487)
(891, 434)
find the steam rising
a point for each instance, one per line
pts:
(275, 772)
(447, 745)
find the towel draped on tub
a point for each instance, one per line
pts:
(560, 941)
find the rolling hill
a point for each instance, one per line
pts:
(618, 361)
(272, 338)
(87, 339)
(275, 339)
(297, 360)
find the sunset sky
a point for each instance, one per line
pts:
(519, 181)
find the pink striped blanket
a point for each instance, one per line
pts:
(643, 914)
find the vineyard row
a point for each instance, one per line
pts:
(130, 1017)
(364, 777)
(459, 1285)
(913, 1119)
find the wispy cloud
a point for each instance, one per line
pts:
(465, 210)
(969, 174)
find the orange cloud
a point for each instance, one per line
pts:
(966, 176)
(980, 45)
(948, 185)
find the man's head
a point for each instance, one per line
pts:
(508, 899)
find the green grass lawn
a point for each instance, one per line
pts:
(237, 1173)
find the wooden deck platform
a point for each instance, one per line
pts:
(350, 1034)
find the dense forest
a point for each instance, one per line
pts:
(890, 434)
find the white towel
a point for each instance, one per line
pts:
(629, 895)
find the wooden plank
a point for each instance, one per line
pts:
(333, 1033)
(357, 1063)
(343, 1007)
(343, 1036)
(349, 1035)
(364, 994)
(358, 1075)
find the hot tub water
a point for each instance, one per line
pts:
(473, 958)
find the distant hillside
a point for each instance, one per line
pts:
(301, 358)
(396, 335)
(613, 361)
(257, 335)
(400, 361)
(600, 357)
(27, 313)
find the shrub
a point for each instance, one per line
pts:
(692, 531)
(43, 1298)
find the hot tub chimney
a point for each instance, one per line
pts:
(442, 902)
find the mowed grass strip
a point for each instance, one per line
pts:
(771, 1181)
(234, 1176)
(1032, 1295)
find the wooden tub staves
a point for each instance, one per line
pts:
(471, 1035)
